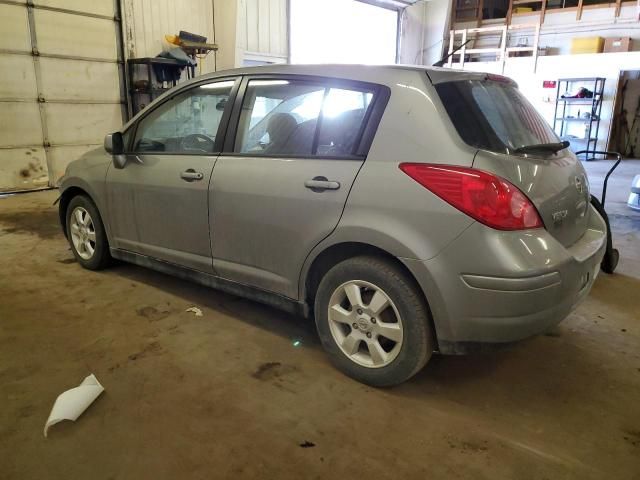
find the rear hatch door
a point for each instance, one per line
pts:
(516, 143)
(556, 186)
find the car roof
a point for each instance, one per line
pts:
(371, 73)
(318, 69)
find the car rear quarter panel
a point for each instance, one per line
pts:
(386, 208)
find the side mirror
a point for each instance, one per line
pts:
(114, 144)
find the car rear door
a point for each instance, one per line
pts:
(294, 149)
(158, 203)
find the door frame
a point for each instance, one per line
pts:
(181, 93)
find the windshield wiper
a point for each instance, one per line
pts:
(543, 147)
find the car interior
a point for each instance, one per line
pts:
(279, 120)
(185, 125)
(290, 127)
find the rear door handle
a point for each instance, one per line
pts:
(319, 184)
(191, 175)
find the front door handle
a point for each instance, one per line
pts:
(319, 184)
(191, 175)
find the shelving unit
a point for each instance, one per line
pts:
(468, 9)
(141, 96)
(521, 3)
(498, 52)
(569, 111)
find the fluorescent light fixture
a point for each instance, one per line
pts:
(216, 85)
(264, 83)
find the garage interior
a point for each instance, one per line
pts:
(245, 390)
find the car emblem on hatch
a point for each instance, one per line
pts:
(559, 216)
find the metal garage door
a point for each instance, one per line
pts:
(60, 85)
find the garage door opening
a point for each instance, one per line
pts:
(342, 31)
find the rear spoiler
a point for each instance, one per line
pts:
(441, 75)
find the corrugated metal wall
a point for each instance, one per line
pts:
(148, 21)
(60, 89)
(247, 27)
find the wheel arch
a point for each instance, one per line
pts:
(65, 198)
(338, 252)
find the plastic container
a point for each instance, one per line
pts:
(587, 45)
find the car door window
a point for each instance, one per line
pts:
(300, 118)
(187, 124)
(343, 117)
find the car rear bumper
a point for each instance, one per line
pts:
(491, 288)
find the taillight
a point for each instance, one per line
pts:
(486, 197)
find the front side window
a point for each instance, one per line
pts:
(185, 124)
(494, 115)
(291, 117)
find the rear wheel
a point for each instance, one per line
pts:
(86, 234)
(373, 321)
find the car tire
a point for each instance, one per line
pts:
(86, 234)
(380, 336)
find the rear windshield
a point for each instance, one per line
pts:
(493, 115)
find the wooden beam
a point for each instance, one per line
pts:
(451, 41)
(478, 23)
(483, 50)
(543, 10)
(503, 54)
(536, 42)
(618, 5)
(462, 50)
(509, 12)
(579, 12)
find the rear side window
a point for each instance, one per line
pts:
(343, 115)
(301, 118)
(493, 115)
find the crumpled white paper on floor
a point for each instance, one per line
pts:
(194, 310)
(70, 404)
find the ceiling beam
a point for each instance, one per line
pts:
(390, 4)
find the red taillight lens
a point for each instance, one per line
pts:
(486, 197)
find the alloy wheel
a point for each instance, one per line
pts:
(365, 324)
(83, 233)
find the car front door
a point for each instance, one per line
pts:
(158, 203)
(282, 184)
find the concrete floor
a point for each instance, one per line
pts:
(229, 395)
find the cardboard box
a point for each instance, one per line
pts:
(587, 45)
(620, 44)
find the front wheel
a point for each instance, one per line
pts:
(86, 234)
(373, 321)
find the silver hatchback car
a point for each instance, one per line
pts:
(408, 210)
